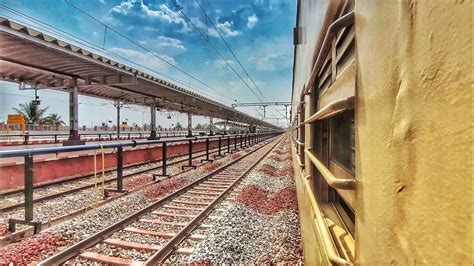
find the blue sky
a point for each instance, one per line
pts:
(258, 31)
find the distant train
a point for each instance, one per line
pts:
(382, 131)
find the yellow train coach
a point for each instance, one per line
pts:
(382, 131)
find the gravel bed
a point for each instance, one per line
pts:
(47, 210)
(156, 227)
(176, 259)
(190, 212)
(195, 198)
(172, 219)
(113, 251)
(199, 231)
(245, 236)
(268, 183)
(138, 238)
(186, 205)
(189, 243)
(97, 219)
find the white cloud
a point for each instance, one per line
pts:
(252, 21)
(151, 29)
(163, 12)
(225, 29)
(171, 42)
(270, 54)
(143, 58)
(220, 63)
(271, 62)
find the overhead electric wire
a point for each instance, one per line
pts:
(230, 49)
(215, 49)
(142, 47)
(86, 43)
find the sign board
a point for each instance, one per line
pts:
(16, 119)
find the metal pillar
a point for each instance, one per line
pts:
(118, 106)
(225, 126)
(28, 188)
(164, 163)
(119, 188)
(207, 152)
(119, 168)
(74, 138)
(220, 142)
(190, 124)
(28, 193)
(228, 144)
(210, 126)
(153, 123)
(163, 167)
(190, 156)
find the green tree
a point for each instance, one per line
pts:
(32, 113)
(55, 120)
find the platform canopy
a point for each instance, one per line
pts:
(36, 59)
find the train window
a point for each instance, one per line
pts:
(342, 140)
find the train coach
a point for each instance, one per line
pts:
(382, 131)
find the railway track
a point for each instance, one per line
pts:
(77, 184)
(165, 223)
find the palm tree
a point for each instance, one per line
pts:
(32, 113)
(54, 119)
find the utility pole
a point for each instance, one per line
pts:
(118, 105)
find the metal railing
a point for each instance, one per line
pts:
(342, 22)
(101, 136)
(28, 154)
(334, 182)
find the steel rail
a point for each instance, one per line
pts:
(59, 194)
(169, 247)
(97, 237)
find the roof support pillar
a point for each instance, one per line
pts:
(190, 125)
(210, 126)
(153, 123)
(118, 105)
(74, 138)
(252, 129)
(225, 126)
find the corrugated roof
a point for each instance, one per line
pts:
(41, 60)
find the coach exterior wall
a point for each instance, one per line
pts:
(414, 128)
